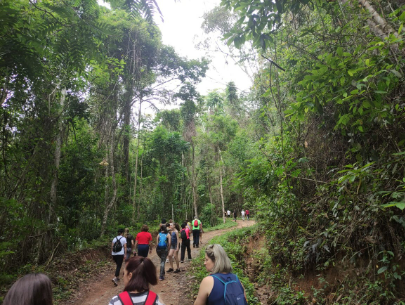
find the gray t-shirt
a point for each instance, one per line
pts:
(137, 299)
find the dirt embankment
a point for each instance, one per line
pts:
(99, 289)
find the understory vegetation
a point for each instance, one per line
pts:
(315, 148)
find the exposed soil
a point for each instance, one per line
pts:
(172, 291)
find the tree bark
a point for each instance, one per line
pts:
(114, 185)
(58, 147)
(136, 160)
(221, 189)
(194, 179)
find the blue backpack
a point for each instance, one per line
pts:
(162, 244)
(233, 292)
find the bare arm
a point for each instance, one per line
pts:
(170, 240)
(205, 289)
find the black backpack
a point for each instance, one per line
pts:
(129, 239)
(117, 247)
(183, 234)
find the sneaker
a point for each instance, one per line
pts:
(167, 260)
(114, 280)
(170, 270)
(181, 261)
(176, 271)
(161, 278)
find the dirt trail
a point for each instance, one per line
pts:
(100, 290)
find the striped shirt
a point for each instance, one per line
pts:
(137, 299)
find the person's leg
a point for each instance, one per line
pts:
(183, 251)
(118, 260)
(195, 237)
(129, 251)
(188, 249)
(171, 260)
(176, 257)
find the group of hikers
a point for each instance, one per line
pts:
(220, 287)
(243, 213)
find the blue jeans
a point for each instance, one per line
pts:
(143, 250)
(162, 253)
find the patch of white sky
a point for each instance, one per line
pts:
(181, 29)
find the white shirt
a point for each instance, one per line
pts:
(243, 213)
(228, 212)
(123, 241)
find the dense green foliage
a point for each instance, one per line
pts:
(315, 150)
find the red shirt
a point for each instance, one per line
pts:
(247, 212)
(143, 238)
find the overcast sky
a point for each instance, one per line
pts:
(181, 28)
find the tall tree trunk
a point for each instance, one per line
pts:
(114, 184)
(58, 147)
(126, 137)
(136, 158)
(221, 189)
(194, 179)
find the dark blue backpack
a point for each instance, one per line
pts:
(233, 292)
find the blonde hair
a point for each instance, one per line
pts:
(222, 263)
(126, 232)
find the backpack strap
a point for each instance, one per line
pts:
(151, 298)
(226, 283)
(125, 298)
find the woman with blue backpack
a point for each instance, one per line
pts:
(221, 286)
(163, 243)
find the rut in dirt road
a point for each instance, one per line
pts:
(100, 290)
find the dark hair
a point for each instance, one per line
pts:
(120, 231)
(183, 225)
(32, 289)
(176, 225)
(145, 228)
(163, 220)
(187, 220)
(167, 225)
(143, 273)
(163, 229)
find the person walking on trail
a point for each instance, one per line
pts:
(185, 242)
(188, 223)
(139, 274)
(243, 215)
(247, 214)
(33, 288)
(163, 243)
(221, 286)
(234, 215)
(130, 243)
(143, 241)
(118, 251)
(196, 223)
(228, 213)
(174, 248)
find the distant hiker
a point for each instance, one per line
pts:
(163, 242)
(234, 215)
(174, 248)
(196, 232)
(171, 223)
(221, 286)
(188, 225)
(163, 222)
(143, 241)
(130, 243)
(247, 214)
(33, 288)
(185, 242)
(243, 215)
(118, 251)
(139, 274)
(228, 213)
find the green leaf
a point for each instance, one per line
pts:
(382, 269)
(351, 72)
(396, 73)
(400, 28)
(399, 205)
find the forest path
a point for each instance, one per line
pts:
(172, 291)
